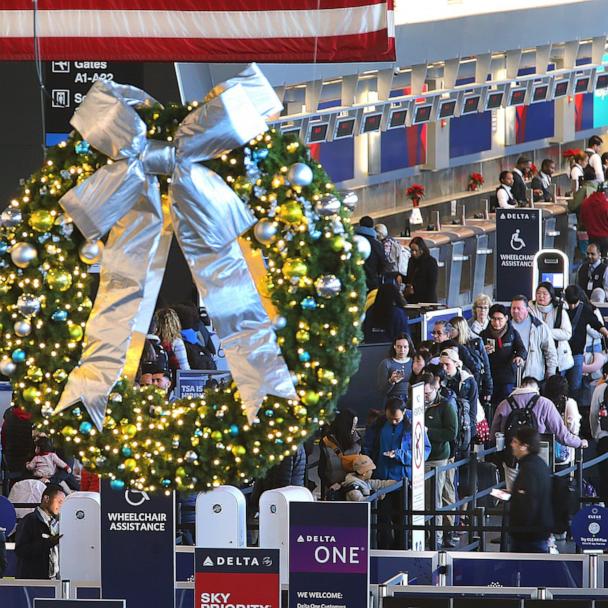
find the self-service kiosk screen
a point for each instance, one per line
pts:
(555, 278)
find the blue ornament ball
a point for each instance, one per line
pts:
(165, 483)
(126, 451)
(82, 147)
(60, 316)
(117, 484)
(85, 427)
(260, 154)
(18, 355)
(3, 247)
(234, 429)
(76, 411)
(304, 357)
(308, 303)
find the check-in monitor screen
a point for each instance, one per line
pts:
(555, 278)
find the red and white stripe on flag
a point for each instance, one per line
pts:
(272, 31)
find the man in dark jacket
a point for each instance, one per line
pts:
(520, 172)
(531, 507)
(541, 183)
(38, 537)
(375, 265)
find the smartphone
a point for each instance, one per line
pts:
(500, 494)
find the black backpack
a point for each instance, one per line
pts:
(519, 417)
(199, 357)
(563, 499)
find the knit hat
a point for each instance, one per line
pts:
(363, 464)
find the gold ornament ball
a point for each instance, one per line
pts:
(76, 332)
(180, 472)
(302, 335)
(60, 375)
(310, 398)
(290, 212)
(30, 393)
(87, 303)
(326, 376)
(130, 430)
(35, 374)
(68, 431)
(130, 464)
(336, 243)
(41, 220)
(108, 421)
(294, 268)
(59, 280)
(202, 411)
(216, 436)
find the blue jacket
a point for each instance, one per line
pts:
(382, 437)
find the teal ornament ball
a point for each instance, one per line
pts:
(234, 430)
(126, 451)
(18, 355)
(304, 356)
(85, 427)
(82, 147)
(117, 484)
(308, 303)
(3, 247)
(165, 483)
(60, 316)
(260, 154)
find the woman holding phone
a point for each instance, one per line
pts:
(394, 372)
(505, 351)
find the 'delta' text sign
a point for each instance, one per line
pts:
(227, 578)
(328, 554)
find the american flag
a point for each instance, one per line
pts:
(271, 31)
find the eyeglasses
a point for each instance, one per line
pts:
(497, 318)
(437, 332)
(482, 307)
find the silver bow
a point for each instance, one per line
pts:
(206, 216)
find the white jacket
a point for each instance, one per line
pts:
(561, 334)
(542, 356)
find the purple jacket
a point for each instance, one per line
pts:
(548, 419)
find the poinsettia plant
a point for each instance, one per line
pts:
(415, 192)
(571, 152)
(475, 181)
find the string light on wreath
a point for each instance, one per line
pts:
(148, 442)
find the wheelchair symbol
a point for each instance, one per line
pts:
(517, 242)
(136, 502)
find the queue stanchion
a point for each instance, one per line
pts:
(405, 519)
(433, 496)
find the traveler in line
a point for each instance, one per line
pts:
(421, 279)
(393, 375)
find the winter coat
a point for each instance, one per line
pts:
(464, 387)
(17, 442)
(594, 421)
(548, 419)
(531, 507)
(381, 437)
(330, 464)
(398, 324)
(442, 427)
(358, 489)
(375, 265)
(501, 360)
(561, 335)
(422, 275)
(32, 547)
(541, 361)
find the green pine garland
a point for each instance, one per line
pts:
(195, 443)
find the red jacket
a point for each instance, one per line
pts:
(594, 214)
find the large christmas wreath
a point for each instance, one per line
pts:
(313, 278)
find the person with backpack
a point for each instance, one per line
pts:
(397, 256)
(531, 520)
(470, 348)
(598, 422)
(388, 442)
(550, 310)
(505, 351)
(556, 390)
(199, 355)
(525, 407)
(441, 422)
(169, 330)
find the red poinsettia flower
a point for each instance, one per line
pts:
(533, 169)
(477, 178)
(415, 191)
(570, 152)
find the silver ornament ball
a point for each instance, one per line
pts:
(11, 216)
(327, 206)
(363, 246)
(90, 252)
(7, 366)
(28, 305)
(265, 231)
(279, 322)
(300, 174)
(23, 254)
(328, 286)
(350, 201)
(191, 456)
(47, 411)
(22, 328)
